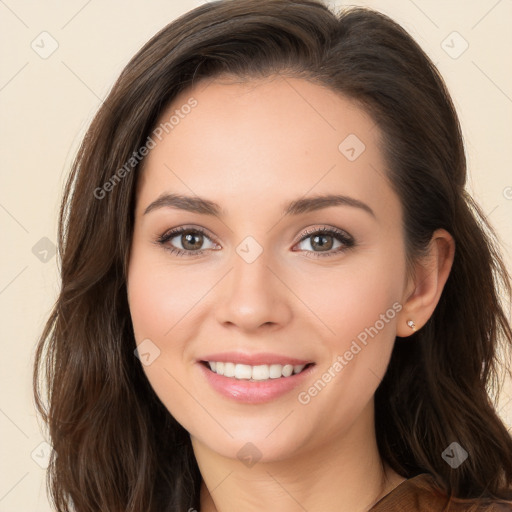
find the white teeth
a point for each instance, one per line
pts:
(261, 372)
(287, 370)
(276, 371)
(255, 373)
(298, 368)
(229, 370)
(243, 371)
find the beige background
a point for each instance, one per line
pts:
(47, 103)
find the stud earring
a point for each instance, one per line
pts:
(412, 325)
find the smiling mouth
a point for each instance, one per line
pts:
(255, 373)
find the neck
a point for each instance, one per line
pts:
(344, 474)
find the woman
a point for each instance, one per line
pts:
(276, 293)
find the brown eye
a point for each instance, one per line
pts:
(191, 240)
(186, 241)
(322, 242)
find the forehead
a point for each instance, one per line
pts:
(266, 139)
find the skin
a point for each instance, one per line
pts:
(252, 147)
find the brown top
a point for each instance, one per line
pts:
(420, 494)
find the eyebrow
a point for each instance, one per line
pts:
(204, 206)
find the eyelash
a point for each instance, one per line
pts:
(338, 234)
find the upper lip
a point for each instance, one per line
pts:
(254, 359)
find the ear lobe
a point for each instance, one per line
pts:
(430, 276)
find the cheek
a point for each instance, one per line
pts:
(160, 296)
(350, 298)
(359, 304)
(159, 300)
(361, 307)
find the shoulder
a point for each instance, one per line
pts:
(421, 494)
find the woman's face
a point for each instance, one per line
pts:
(254, 288)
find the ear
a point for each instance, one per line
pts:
(423, 290)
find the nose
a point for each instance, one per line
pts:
(253, 296)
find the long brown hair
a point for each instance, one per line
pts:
(116, 446)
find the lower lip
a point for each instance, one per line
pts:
(254, 392)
